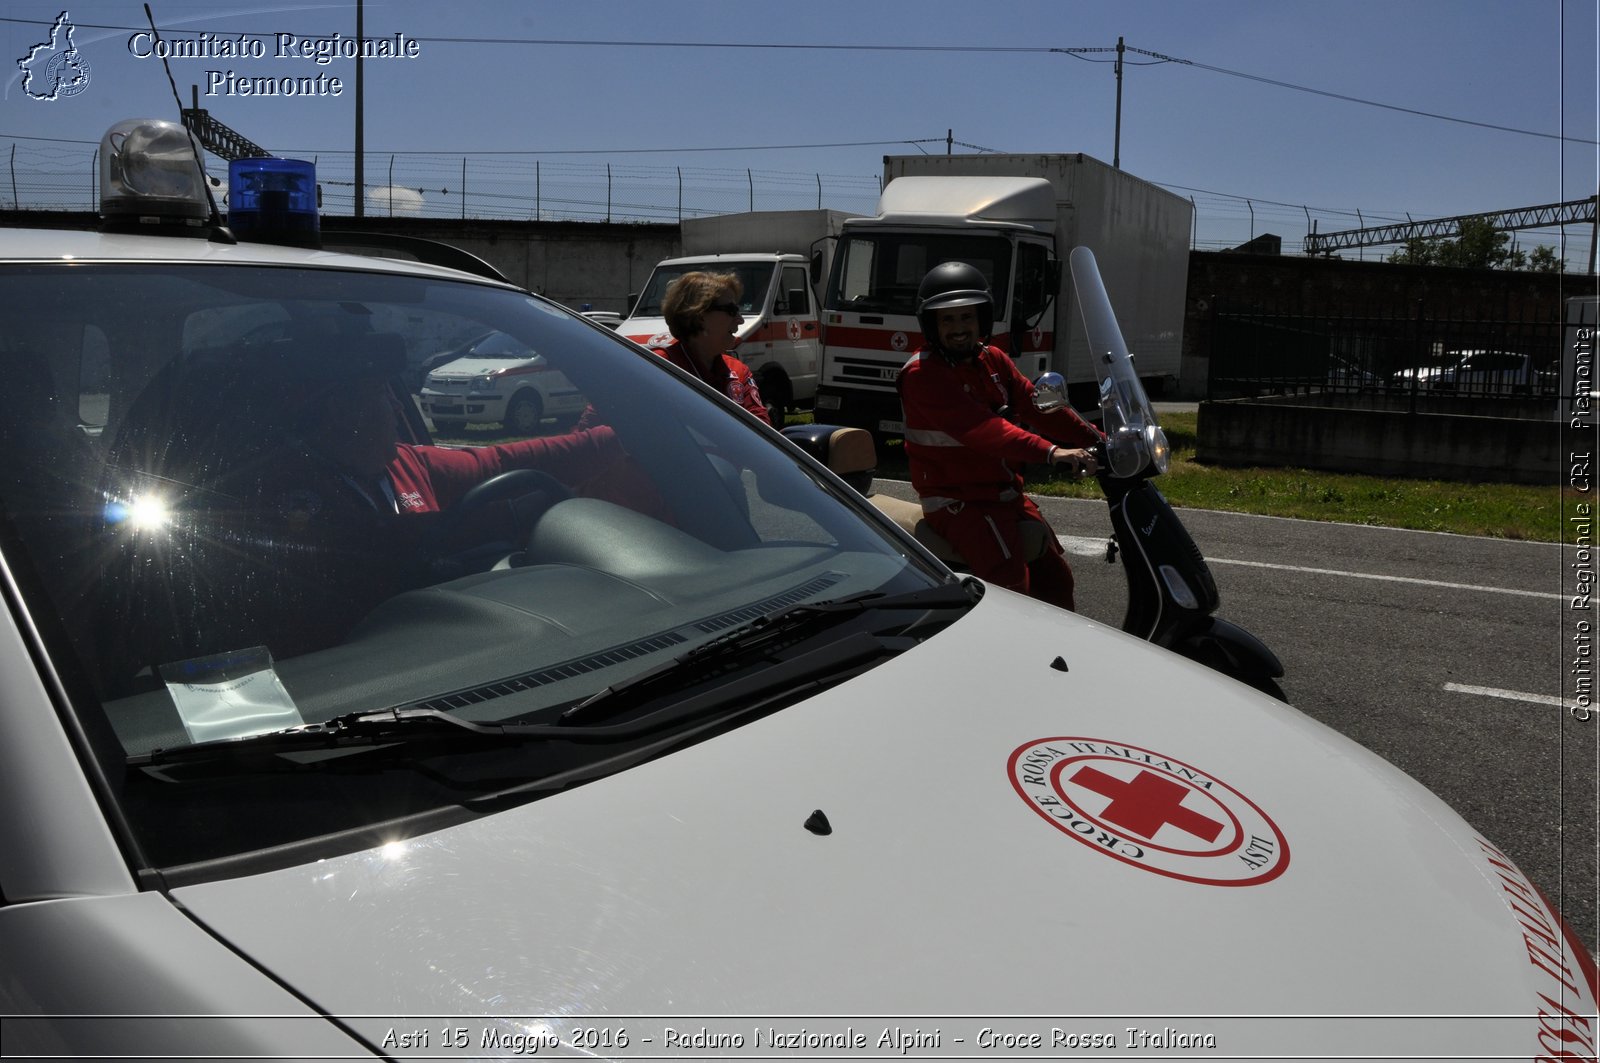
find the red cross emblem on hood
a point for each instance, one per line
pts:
(1146, 803)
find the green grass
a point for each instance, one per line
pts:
(1507, 511)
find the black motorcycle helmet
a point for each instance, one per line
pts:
(951, 284)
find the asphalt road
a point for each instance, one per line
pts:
(1445, 654)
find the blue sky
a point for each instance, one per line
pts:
(538, 124)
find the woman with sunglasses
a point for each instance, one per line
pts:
(702, 313)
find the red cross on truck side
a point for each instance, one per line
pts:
(1146, 803)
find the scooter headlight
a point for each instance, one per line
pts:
(1155, 440)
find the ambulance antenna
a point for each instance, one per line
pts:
(219, 231)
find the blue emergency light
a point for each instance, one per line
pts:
(274, 201)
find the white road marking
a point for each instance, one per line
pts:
(1509, 695)
(1084, 546)
(1095, 546)
(1392, 579)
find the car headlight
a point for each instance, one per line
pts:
(483, 383)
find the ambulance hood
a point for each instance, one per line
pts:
(1029, 815)
(475, 367)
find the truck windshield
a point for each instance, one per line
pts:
(879, 272)
(756, 277)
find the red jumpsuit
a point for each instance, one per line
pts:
(965, 462)
(728, 375)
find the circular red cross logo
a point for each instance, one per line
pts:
(1149, 810)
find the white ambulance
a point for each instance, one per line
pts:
(660, 743)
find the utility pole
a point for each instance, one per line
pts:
(1116, 148)
(361, 133)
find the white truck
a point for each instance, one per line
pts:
(781, 257)
(1015, 217)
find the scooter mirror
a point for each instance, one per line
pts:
(1049, 392)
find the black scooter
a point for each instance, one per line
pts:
(1172, 597)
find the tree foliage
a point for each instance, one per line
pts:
(1477, 245)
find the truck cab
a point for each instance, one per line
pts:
(1001, 226)
(781, 337)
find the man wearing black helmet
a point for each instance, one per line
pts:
(962, 399)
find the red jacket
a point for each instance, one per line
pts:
(728, 375)
(959, 446)
(429, 479)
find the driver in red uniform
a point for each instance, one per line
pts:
(304, 510)
(965, 452)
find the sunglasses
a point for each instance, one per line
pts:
(727, 308)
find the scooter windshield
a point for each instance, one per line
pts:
(1134, 439)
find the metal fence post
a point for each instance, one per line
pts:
(1212, 347)
(1416, 356)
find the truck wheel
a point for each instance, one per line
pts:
(524, 413)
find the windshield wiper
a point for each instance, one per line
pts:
(410, 733)
(365, 728)
(402, 730)
(774, 630)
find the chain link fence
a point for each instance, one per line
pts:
(1421, 351)
(66, 177)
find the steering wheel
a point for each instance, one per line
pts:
(491, 523)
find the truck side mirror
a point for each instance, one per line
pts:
(816, 265)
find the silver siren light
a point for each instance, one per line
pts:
(149, 175)
(1134, 439)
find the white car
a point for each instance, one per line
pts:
(608, 318)
(497, 379)
(671, 747)
(1481, 372)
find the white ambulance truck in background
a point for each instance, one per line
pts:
(1014, 217)
(781, 258)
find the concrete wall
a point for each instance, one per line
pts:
(571, 262)
(1375, 440)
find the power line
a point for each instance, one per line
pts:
(570, 43)
(579, 151)
(1077, 53)
(1357, 99)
